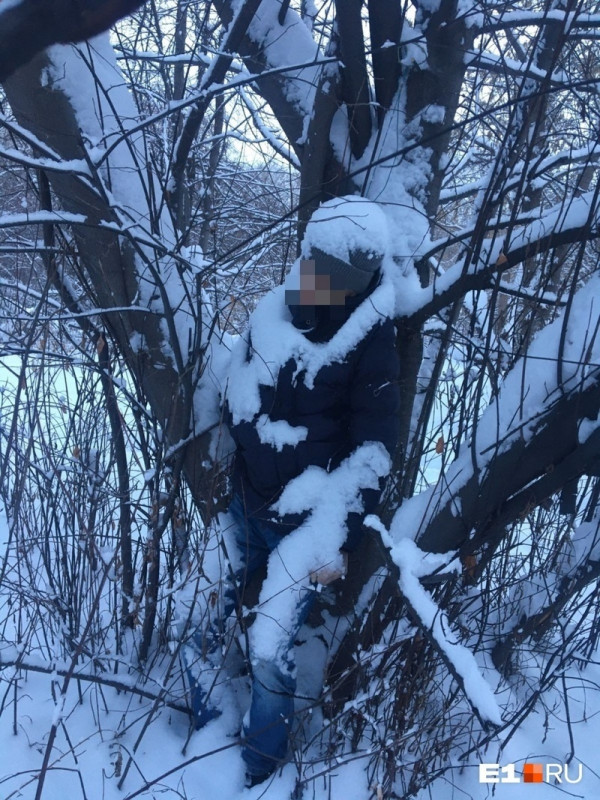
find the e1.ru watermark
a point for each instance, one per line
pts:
(532, 773)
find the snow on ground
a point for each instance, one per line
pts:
(100, 726)
(103, 727)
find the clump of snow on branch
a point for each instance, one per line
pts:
(286, 45)
(329, 497)
(414, 564)
(89, 76)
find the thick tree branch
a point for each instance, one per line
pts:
(275, 88)
(112, 408)
(110, 258)
(517, 478)
(355, 81)
(321, 173)
(433, 88)
(385, 26)
(32, 25)
(537, 624)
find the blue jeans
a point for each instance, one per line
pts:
(273, 685)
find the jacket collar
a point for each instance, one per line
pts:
(321, 323)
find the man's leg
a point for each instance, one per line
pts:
(273, 682)
(272, 704)
(203, 655)
(253, 553)
(254, 542)
(266, 728)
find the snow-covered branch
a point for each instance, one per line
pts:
(568, 223)
(28, 26)
(572, 158)
(413, 564)
(502, 65)
(527, 444)
(524, 18)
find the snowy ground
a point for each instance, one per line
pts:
(111, 745)
(100, 729)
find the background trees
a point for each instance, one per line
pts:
(155, 186)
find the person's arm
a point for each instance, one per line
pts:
(374, 412)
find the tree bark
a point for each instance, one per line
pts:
(32, 25)
(109, 261)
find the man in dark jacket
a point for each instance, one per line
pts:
(351, 401)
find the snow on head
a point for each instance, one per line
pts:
(345, 225)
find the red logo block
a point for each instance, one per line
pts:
(533, 773)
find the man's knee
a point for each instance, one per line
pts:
(275, 677)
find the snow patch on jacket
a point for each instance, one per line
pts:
(274, 341)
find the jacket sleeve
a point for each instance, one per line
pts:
(374, 411)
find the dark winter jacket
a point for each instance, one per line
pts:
(350, 403)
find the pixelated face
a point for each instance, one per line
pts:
(315, 289)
